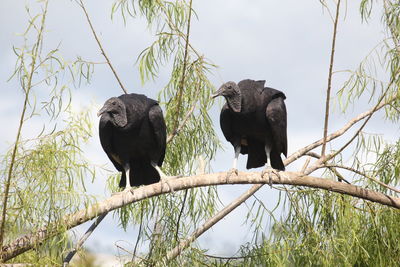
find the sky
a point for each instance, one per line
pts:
(287, 43)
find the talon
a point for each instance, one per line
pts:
(231, 172)
(165, 180)
(270, 172)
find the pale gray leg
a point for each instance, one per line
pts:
(235, 159)
(128, 186)
(268, 168)
(163, 177)
(234, 169)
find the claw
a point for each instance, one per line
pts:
(270, 171)
(165, 180)
(231, 172)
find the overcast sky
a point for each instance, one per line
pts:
(285, 42)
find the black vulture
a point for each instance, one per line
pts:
(133, 135)
(254, 121)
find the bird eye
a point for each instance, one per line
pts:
(229, 86)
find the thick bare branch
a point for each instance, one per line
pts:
(304, 151)
(27, 242)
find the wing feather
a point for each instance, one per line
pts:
(276, 116)
(157, 122)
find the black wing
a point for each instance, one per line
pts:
(252, 85)
(226, 123)
(276, 116)
(106, 135)
(157, 122)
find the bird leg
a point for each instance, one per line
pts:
(234, 169)
(268, 169)
(128, 187)
(164, 178)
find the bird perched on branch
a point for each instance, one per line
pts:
(253, 120)
(133, 135)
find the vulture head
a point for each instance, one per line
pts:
(231, 92)
(116, 110)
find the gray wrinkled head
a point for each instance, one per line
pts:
(231, 91)
(116, 109)
(228, 89)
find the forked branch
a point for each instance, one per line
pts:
(27, 242)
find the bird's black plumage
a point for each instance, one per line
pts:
(133, 135)
(254, 119)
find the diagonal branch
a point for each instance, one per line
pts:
(71, 254)
(364, 175)
(207, 225)
(101, 47)
(328, 91)
(289, 160)
(27, 242)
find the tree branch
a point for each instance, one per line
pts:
(207, 225)
(27, 242)
(185, 59)
(328, 91)
(364, 175)
(101, 47)
(71, 254)
(290, 159)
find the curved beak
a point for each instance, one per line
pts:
(217, 93)
(101, 111)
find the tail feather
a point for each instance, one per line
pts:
(142, 173)
(276, 161)
(256, 154)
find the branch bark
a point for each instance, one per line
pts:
(304, 151)
(27, 242)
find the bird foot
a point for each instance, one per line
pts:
(128, 189)
(270, 171)
(165, 180)
(232, 171)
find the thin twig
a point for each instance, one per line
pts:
(69, 221)
(176, 251)
(27, 242)
(365, 175)
(328, 91)
(207, 225)
(338, 175)
(185, 59)
(101, 47)
(180, 215)
(139, 234)
(91, 229)
(21, 122)
(174, 133)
